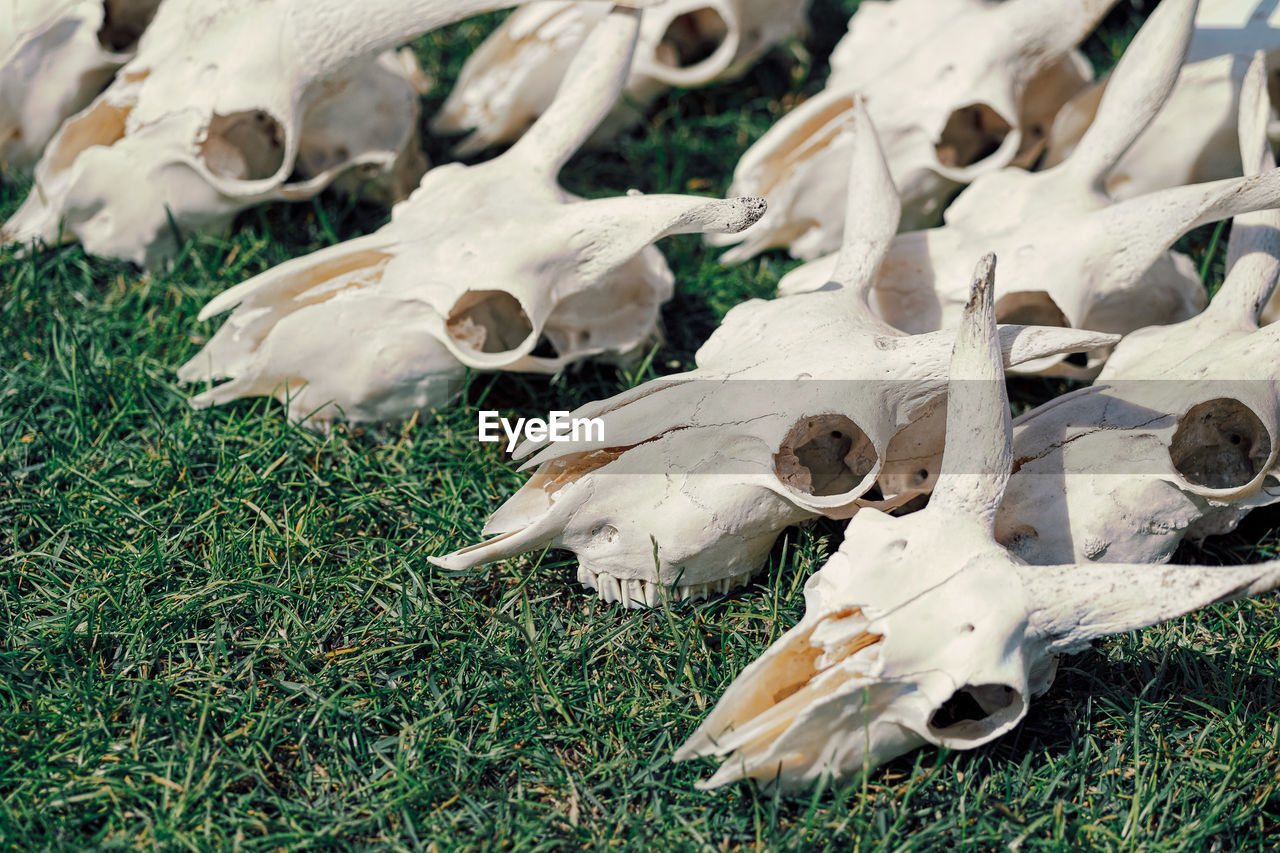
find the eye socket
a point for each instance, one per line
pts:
(489, 321)
(1030, 308)
(972, 133)
(1220, 444)
(244, 146)
(692, 37)
(123, 22)
(824, 455)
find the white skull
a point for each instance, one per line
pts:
(797, 408)
(55, 56)
(513, 75)
(1073, 257)
(480, 266)
(922, 629)
(1189, 414)
(956, 89)
(1193, 139)
(212, 117)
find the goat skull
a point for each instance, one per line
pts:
(917, 615)
(796, 409)
(1188, 413)
(212, 116)
(1193, 139)
(512, 76)
(956, 89)
(1075, 258)
(460, 277)
(54, 59)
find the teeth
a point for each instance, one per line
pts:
(634, 593)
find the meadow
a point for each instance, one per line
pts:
(219, 631)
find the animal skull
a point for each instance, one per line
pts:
(513, 75)
(212, 117)
(919, 617)
(1074, 257)
(956, 89)
(797, 408)
(55, 56)
(477, 268)
(1189, 414)
(1193, 139)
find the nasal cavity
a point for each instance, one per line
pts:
(824, 455)
(692, 37)
(123, 22)
(489, 321)
(1220, 444)
(1030, 308)
(244, 146)
(103, 125)
(974, 712)
(972, 133)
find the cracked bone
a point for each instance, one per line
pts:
(511, 78)
(921, 629)
(1193, 139)
(55, 57)
(956, 88)
(796, 409)
(1071, 256)
(1179, 434)
(480, 266)
(210, 118)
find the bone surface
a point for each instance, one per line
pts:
(512, 77)
(478, 268)
(796, 409)
(55, 57)
(1072, 256)
(211, 117)
(1179, 434)
(956, 89)
(922, 629)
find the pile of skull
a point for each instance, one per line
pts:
(1037, 535)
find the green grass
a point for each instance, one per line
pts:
(218, 631)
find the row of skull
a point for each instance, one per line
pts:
(456, 280)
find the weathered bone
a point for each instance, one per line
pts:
(55, 57)
(1071, 256)
(208, 119)
(477, 268)
(1179, 435)
(1193, 139)
(513, 75)
(956, 89)
(922, 629)
(796, 409)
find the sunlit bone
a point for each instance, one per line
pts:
(55, 56)
(209, 118)
(480, 266)
(512, 76)
(956, 88)
(1193, 139)
(1179, 434)
(796, 409)
(922, 629)
(1070, 256)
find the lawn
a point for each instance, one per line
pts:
(218, 631)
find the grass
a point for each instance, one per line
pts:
(218, 631)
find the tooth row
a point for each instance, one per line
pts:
(642, 593)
